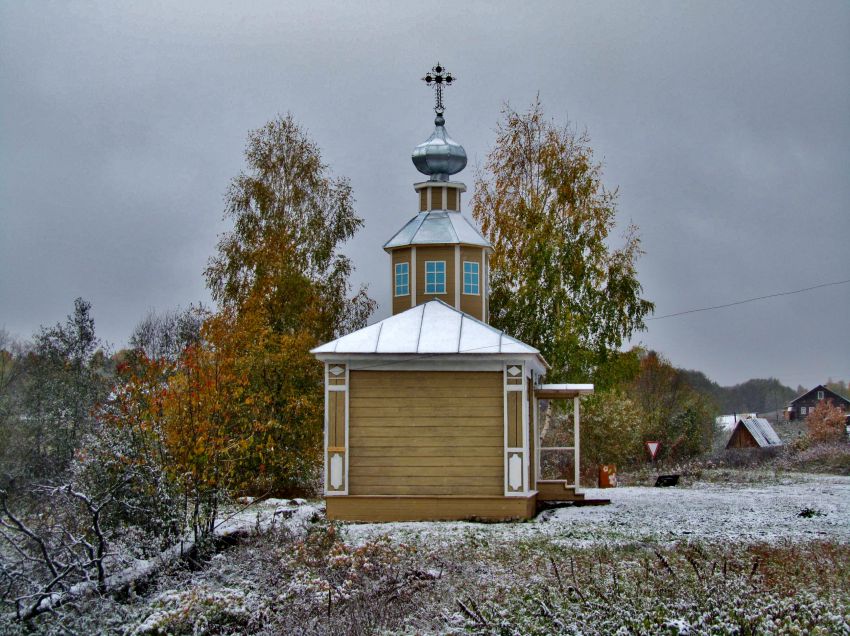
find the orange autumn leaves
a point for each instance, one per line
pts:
(242, 408)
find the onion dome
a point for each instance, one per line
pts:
(440, 156)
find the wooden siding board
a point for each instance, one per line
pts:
(409, 463)
(391, 508)
(450, 453)
(421, 441)
(436, 198)
(339, 419)
(333, 397)
(424, 430)
(419, 433)
(377, 397)
(433, 379)
(430, 481)
(458, 488)
(514, 419)
(451, 199)
(478, 416)
(466, 470)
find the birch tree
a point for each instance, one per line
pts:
(556, 282)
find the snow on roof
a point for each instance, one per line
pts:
(762, 431)
(729, 422)
(437, 227)
(432, 327)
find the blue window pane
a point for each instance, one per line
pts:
(435, 277)
(470, 278)
(402, 279)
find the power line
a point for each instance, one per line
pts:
(750, 300)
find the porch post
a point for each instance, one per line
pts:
(576, 440)
(536, 440)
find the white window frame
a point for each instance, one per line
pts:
(398, 273)
(477, 285)
(802, 410)
(435, 289)
(820, 395)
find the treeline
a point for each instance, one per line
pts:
(752, 396)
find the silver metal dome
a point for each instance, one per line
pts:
(440, 156)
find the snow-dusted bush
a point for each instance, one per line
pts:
(831, 458)
(148, 504)
(199, 611)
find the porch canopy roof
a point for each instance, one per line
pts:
(561, 391)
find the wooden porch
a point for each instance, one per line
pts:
(557, 491)
(551, 491)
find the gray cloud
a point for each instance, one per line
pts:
(726, 127)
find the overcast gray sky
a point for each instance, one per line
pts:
(726, 127)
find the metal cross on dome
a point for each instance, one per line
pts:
(437, 78)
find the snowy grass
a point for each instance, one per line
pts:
(763, 511)
(764, 555)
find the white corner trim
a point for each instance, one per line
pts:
(325, 462)
(413, 276)
(458, 276)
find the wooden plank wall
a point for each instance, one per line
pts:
(426, 433)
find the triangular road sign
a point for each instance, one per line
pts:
(652, 447)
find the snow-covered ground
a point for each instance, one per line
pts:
(711, 512)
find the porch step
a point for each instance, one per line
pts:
(557, 490)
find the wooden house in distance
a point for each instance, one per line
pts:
(753, 432)
(430, 414)
(802, 406)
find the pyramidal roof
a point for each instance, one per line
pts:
(437, 227)
(432, 327)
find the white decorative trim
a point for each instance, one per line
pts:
(477, 274)
(445, 279)
(413, 276)
(426, 362)
(325, 447)
(525, 449)
(518, 453)
(535, 409)
(336, 470)
(329, 460)
(395, 279)
(347, 447)
(458, 275)
(576, 442)
(515, 479)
